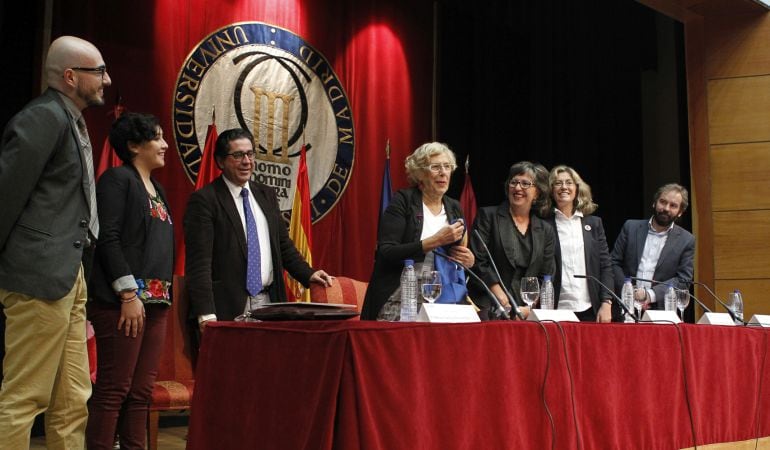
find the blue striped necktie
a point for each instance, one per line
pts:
(254, 263)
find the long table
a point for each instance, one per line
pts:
(494, 385)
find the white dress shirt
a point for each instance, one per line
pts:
(573, 295)
(653, 245)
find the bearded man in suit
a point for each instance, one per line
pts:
(48, 226)
(656, 249)
(237, 244)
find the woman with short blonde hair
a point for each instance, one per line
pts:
(419, 220)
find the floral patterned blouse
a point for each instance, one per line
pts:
(159, 256)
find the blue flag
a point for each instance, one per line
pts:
(386, 194)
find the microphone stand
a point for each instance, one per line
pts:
(511, 300)
(647, 280)
(612, 293)
(727, 308)
(499, 307)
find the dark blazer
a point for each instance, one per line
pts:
(497, 229)
(597, 260)
(124, 220)
(44, 223)
(675, 262)
(215, 261)
(399, 239)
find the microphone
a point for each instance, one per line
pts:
(614, 295)
(499, 307)
(511, 300)
(649, 280)
(727, 308)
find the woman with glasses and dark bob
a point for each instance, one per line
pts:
(520, 243)
(128, 292)
(581, 248)
(419, 220)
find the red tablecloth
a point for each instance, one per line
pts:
(372, 385)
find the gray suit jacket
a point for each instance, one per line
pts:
(44, 225)
(497, 229)
(675, 262)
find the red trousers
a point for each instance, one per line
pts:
(126, 370)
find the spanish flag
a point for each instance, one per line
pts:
(300, 229)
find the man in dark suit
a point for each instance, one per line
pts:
(656, 249)
(224, 274)
(49, 219)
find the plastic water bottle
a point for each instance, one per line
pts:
(737, 306)
(670, 304)
(546, 296)
(627, 295)
(408, 292)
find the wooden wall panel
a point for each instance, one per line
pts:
(755, 293)
(738, 45)
(742, 244)
(739, 110)
(700, 154)
(740, 177)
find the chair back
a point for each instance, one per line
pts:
(344, 290)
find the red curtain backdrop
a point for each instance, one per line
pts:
(380, 50)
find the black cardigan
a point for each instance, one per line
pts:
(399, 239)
(124, 219)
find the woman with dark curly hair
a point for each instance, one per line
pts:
(128, 293)
(520, 243)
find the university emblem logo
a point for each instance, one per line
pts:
(271, 82)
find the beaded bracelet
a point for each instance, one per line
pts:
(128, 300)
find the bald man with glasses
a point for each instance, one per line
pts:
(48, 225)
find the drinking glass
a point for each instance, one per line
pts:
(682, 301)
(430, 285)
(530, 290)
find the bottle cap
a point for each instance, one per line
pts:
(408, 262)
(627, 280)
(546, 278)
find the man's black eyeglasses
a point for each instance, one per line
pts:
(101, 70)
(238, 156)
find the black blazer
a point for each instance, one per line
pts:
(215, 261)
(675, 262)
(44, 222)
(597, 260)
(399, 239)
(497, 229)
(124, 220)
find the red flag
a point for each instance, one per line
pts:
(108, 158)
(300, 229)
(207, 172)
(468, 199)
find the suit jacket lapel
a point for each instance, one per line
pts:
(536, 229)
(641, 238)
(588, 241)
(228, 205)
(507, 228)
(78, 146)
(668, 248)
